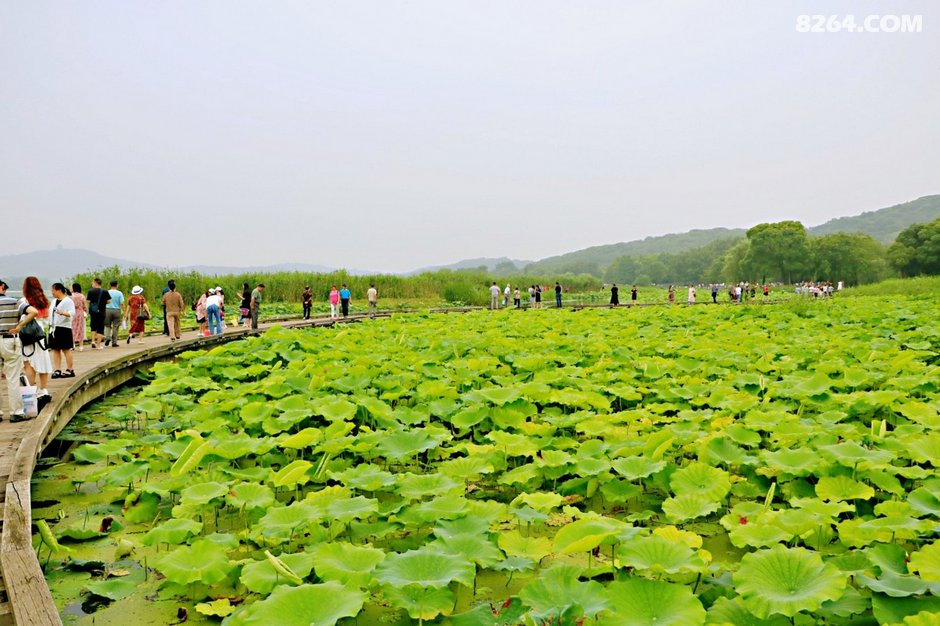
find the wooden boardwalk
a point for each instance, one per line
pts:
(24, 596)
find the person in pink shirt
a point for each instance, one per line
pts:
(334, 301)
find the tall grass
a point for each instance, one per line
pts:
(920, 286)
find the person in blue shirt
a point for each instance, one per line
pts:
(113, 314)
(344, 296)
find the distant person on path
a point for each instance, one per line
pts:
(538, 296)
(334, 302)
(344, 297)
(691, 294)
(633, 295)
(138, 312)
(306, 300)
(672, 294)
(61, 342)
(97, 300)
(531, 300)
(244, 307)
(715, 294)
(37, 365)
(517, 298)
(372, 295)
(557, 294)
(199, 306)
(614, 295)
(214, 312)
(506, 292)
(219, 292)
(166, 323)
(255, 306)
(78, 320)
(766, 290)
(174, 306)
(494, 296)
(113, 314)
(11, 352)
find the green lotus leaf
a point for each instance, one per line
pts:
(926, 449)
(509, 613)
(112, 588)
(723, 450)
(522, 475)
(345, 563)
(924, 618)
(140, 508)
(334, 409)
(402, 444)
(323, 604)
(173, 531)
(127, 473)
(513, 444)
(757, 535)
(688, 506)
(558, 592)
(528, 515)
(657, 554)
(732, 612)
(262, 577)
(851, 454)
(380, 411)
(79, 534)
(284, 521)
(203, 561)
(888, 610)
(814, 385)
(540, 500)
(416, 486)
(902, 526)
(344, 511)
(698, 478)
(216, 608)
(366, 476)
(419, 602)
(894, 585)
(640, 602)
(478, 548)
(619, 491)
(293, 474)
(851, 603)
(513, 543)
(448, 506)
(793, 461)
(921, 413)
(636, 467)
(497, 395)
(926, 499)
(586, 534)
(202, 493)
(426, 568)
(852, 562)
(838, 488)
(250, 496)
(467, 468)
(469, 525)
(926, 562)
(304, 439)
(469, 416)
(253, 413)
(786, 581)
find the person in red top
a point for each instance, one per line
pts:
(138, 311)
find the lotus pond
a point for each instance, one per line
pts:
(683, 465)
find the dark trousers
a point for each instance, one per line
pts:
(254, 318)
(344, 302)
(558, 300)
(307, 308)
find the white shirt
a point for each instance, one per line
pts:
(213, 299)
(63, 306)
(495, 291)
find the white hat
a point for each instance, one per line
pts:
(211, 290)
(137, 290)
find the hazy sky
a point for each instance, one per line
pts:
(390, 135)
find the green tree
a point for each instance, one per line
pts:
(917, 249)
(852, 257)
(778, 251)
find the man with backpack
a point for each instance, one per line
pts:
(98, 299)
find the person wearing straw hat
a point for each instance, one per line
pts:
(138, 312)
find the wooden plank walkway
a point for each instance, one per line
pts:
(25, 598)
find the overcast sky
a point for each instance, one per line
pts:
(392, 135)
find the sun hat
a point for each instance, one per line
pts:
(211, 290)
(137, 290)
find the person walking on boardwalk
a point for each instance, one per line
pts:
(672, 294)
(199, 306)
(334, 302)
(614, 295)
(214, 312)
(113, 314)
(506, 292)
(557, 294)
(633, 296)
(37, 365)
(166, 323)
(255, 306)
(517, 298)
(306, 301)
(372, 295)
(691, 294)
(244, 307)
(97, 300)
(344, 297)
(538, 296)
(61, 341)
(138, 312)
(11, 352)
(494, 296)
(78, 320)
(174, 306)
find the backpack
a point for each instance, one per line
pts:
(31, 334)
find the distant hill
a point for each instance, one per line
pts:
(503, 265)
(884, 224)
(590, 260)
(56, 265)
